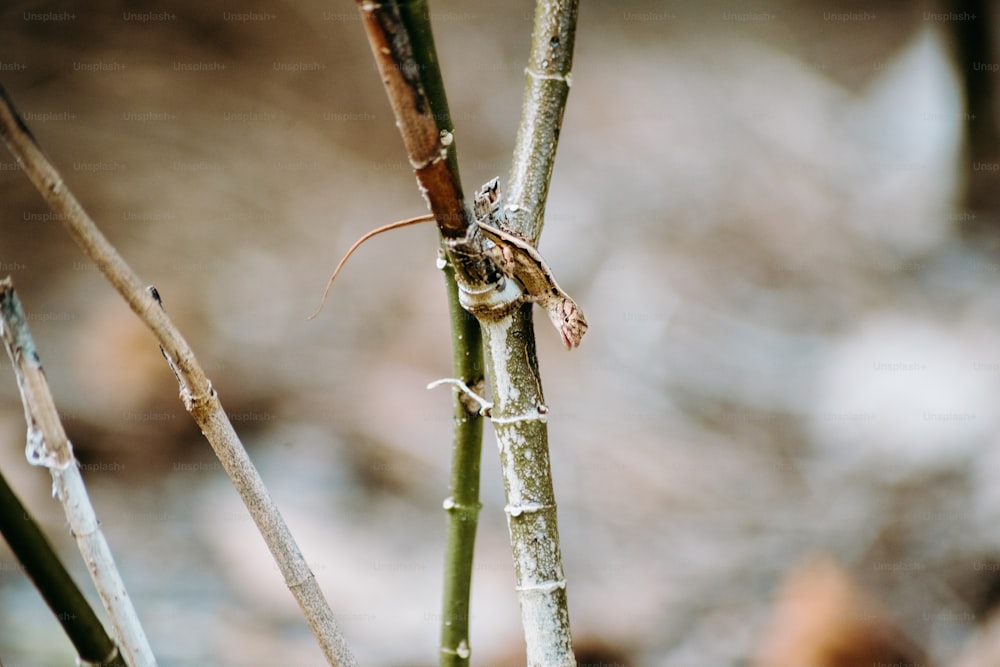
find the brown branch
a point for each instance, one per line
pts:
(426, 145)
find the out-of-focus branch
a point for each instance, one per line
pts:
(40, 562)
(196, 390)
(48, 446)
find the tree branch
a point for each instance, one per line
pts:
(403, 45)
(48, 446)
(519, 411)
(427, 145)
(546, 87)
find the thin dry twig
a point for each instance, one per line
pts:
(48, 446)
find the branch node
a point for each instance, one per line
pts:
(526, 508)
(39, 453)
(450, 505)
(192, 402)
(544, 76)
(462, 651)
(544, 586)
(540, 414)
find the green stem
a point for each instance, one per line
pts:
(57, 588)
(462, 505)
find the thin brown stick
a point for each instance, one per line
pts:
(427, 146)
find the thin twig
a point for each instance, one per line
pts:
(196, 390)
(403, 45)
(48, 446)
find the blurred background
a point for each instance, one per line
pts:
(780, 219)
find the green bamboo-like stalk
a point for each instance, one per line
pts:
(40, 562)
(462, 505)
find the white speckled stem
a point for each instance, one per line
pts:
(519, 418)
